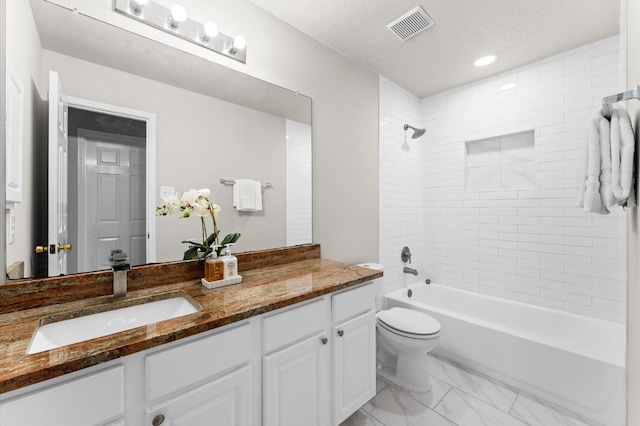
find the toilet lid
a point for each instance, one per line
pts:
(409, 321)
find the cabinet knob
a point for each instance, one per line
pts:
(158, 420)
(324, 340)
(340, 333)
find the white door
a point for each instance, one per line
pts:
(354, 365)
(112, 187)
(295, 385)
(57, 186)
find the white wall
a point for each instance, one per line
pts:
(534, 246)
(632, 31)
(26, 60)
(345, 113)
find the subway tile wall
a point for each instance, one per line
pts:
(299, 190)
(534, 246)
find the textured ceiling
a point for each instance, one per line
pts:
(517, 31)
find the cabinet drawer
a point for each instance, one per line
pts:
(186, 365)
(353, 302)
(89, 400)
(294, 324)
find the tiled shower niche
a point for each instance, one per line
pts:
(501, 163)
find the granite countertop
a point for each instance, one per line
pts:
(263, 289)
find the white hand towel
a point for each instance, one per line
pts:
(589, 194)
(622, 152)
(247, 195)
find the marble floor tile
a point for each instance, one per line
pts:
(380, 384)
(361, 418)
(465, 410)
(484, 388)
(537, 412)
(438, 390)
(394, 407)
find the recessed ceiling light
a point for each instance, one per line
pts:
(485, 60)
(507, 86)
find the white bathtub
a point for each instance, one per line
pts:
(571, 360)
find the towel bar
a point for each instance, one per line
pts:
(607, 101)
(233, 181)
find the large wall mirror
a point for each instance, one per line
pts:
(138, 116)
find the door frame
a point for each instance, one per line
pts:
(150, 119)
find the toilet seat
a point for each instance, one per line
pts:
(409, 323)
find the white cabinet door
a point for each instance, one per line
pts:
(296, 384)
(354, 365)
(225, 401)
(91, 400)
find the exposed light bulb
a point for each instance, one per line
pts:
(137, 5)
(485, 60)
(210, 31)
(178, 15)
(239, 43)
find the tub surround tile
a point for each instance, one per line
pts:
(463, 409)
(535, 411)
(482, 387)
(394, 407)
(262, 290)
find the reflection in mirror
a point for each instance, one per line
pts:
(211, 123)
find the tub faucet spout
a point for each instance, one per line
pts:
(408, 270)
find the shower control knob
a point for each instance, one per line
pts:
(158, 420)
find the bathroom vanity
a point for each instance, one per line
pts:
(293, 344)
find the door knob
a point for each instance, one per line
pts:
(65, 247)
(42, 249)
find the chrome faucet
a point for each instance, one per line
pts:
(120, 265)
(408, 270)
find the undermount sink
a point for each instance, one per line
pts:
(74, 330)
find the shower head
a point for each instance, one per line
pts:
(416, 132)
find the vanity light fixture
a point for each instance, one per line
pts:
(485, 60)
(175, 21)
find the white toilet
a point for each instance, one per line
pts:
(404, 336)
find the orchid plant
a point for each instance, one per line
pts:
(196, 202)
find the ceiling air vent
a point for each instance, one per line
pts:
(411, 23)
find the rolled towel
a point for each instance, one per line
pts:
(622, 158)
(589, 196)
